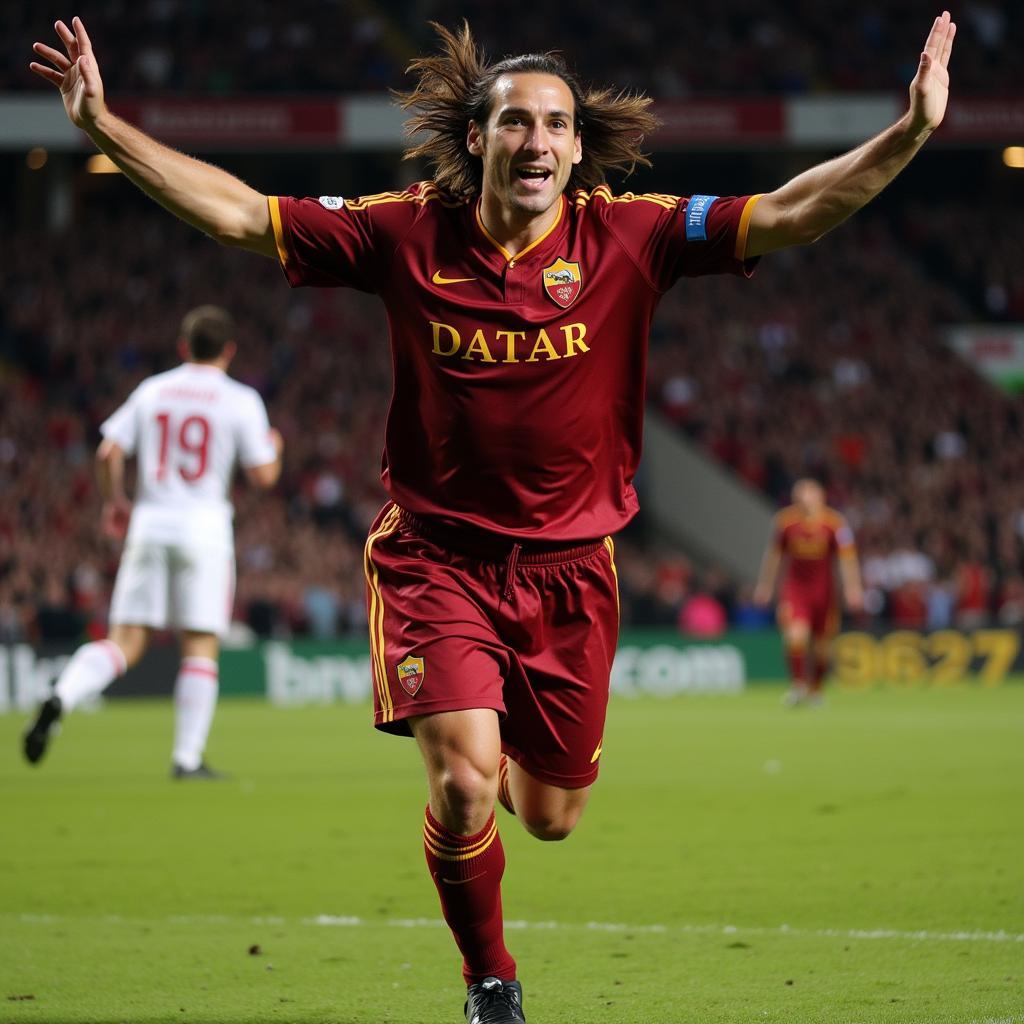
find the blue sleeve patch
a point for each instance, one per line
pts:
(696, 217)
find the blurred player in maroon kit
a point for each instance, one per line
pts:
(810, 536)
(519, 291)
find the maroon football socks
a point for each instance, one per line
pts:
(818, 673)
(467, 871)
(797, 658)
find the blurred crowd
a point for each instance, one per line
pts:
(86, 316)
(730, 47)
(830, 363)
(834, 366)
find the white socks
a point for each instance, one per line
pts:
(195, 697)
(91, 669)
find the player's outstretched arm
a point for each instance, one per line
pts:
(769, 573)
(814, 202)
(202, 195)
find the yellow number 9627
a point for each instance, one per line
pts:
(906, 658)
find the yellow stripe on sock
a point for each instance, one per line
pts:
(432, 838)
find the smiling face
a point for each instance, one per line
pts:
(529, 143)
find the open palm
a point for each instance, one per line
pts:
(929, 91)
(74, 72)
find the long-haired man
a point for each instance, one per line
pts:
(519, 290)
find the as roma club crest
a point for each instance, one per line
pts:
(562, 281)
(410, 674)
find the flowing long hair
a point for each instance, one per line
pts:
(455, 86)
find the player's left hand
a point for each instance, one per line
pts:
(855, 602)
(114, 519)
(929, 91)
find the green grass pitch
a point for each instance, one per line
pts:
(861, 864)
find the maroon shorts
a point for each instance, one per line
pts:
(819, 611)
(461, 620)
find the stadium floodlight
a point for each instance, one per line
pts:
(101, 164)
(1013, 156)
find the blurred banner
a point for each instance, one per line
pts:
(28, 673)
(373, 122)
(648, 663)
(657, 663)
(994, 350)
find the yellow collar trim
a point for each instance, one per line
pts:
(509, 257)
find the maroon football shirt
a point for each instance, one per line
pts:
(519, 381)
(810, 544)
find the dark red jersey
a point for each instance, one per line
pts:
(518, 380)
(810, 544)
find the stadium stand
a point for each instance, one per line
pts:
(836, 368)
(93, 314)
(729, 48)
(833, 367)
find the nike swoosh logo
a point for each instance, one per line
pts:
(462, 881)
(438, 279)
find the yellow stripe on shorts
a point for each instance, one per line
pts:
(387, 527)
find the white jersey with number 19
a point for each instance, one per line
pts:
(188, 427)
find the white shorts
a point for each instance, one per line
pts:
(173, 586)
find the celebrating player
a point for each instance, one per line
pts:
(187, 427)
(809, 535)
(519, 291)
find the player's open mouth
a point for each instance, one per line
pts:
(533, 177)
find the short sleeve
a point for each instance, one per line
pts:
(254, 445)
(331, 242)
(669, 237)
(122, 426)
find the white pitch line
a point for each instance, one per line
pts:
(696, 929)
(611, 927)
(1000, 1020)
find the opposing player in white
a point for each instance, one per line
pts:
(188, 428)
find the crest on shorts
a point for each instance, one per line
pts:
(410, 674)
(562, 281)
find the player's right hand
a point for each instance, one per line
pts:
(277, 440)
(114, 519)
(75, 73)
(762, 596)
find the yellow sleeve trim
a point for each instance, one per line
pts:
(275, 219)
(744, 228)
